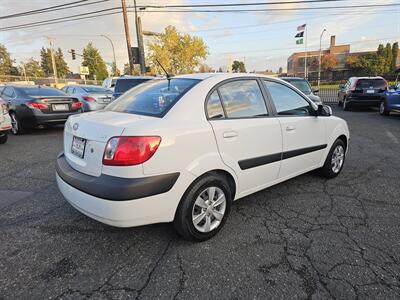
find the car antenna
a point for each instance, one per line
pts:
(166, 73)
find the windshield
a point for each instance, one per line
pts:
(153, 98)
(96, 90)
(122, 85)
(40, 91)
(302, 85)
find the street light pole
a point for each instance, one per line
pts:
(115, 60)
(319, 60)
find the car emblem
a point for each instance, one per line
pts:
(76, 126)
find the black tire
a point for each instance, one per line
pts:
(345, 105)
(183, 221)
(3, 137)
(328, 170)
(17, 127)
(383, 111)
(340, 103)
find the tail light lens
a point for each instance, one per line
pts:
(37, 105)
(76, 105)
(88, 98)
(130, 150)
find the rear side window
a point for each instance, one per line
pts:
(96, 90)
(243, 99)
(122, 85)
(371, 83)
(40, 91)
(214, 107)
(153, 98)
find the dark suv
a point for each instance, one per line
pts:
(125, 83)
(365, 91)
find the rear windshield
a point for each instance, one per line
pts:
(302, 85)
(153, 98)
(122, 85)
(371, 83)
(40, 91)
(96, 90)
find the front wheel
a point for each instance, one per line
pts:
(3, 137)
(334, 161)
(204, 208)
(383, 109)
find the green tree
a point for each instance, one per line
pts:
(47, 64)
(32, 68)
(395, 53)
(6, 63)
(96, 64)
(178, 53)
(238, 67)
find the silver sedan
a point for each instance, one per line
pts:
(93, 97)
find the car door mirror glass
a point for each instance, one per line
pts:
(315, 90)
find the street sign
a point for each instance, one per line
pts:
(84, 70)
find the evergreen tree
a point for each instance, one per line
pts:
(6, 63)
(47, 64)
(96, 64)
(395, 53)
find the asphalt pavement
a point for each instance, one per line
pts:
(305, 238)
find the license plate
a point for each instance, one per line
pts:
(78, 146)
(106, 100)
(60, 107)
(370, 91)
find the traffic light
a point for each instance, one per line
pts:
(73, 54)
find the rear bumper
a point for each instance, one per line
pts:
(158, 208)
(114, 188)
(42, 118)
(364, 102)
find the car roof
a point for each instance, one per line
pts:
(293, 78)
(366, 77)
(29, 86)
(135, 77)
(222, 76)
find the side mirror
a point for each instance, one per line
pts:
(324, 110)
(315, 90)
(393, 87)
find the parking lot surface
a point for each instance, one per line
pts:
(305, 238)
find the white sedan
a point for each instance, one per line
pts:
(183, 149)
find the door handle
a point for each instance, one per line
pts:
(230, 134)
(290, 128)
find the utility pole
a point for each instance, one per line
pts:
(127, 36)
(305, 48)
(53, 61)
(139, 37)
(319, 60)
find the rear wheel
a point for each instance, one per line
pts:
(383, 109)
(346, 105)
(204, 208)
(334, 161)
(3, 137)
(16, 126)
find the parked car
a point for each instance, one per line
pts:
(391, 98)
(182, 149)
(304, 86)
(93, 97)
(125, 83)
(109, 83)
(5, 121)
(35, 105)
(362, 91)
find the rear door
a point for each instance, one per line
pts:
(248, 137)
(303, 133)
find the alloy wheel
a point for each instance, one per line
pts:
(337, 159)
(209, 209)
(382, 108)
(14, 124)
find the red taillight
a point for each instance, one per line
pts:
(130, 150)
(37, 105)
(88, 98)
(76, 105)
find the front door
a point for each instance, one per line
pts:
(249, 139)
(303, 133)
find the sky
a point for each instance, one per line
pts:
(264, 40)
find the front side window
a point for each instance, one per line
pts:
(152, 98)
(243, 99)
(287, 102)
(96, 90)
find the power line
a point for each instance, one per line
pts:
(270, 9)
(51, 8)
(238, 4)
